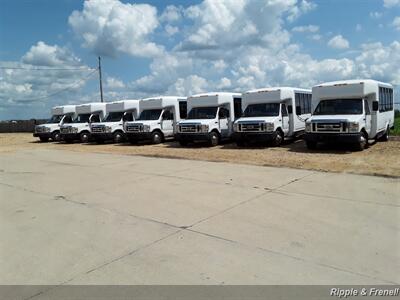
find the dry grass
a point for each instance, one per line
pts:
(379, 159)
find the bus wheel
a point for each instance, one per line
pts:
(156, 137)
(55, 136)
(385, 136)
(214, 139)
(277, 141)
(363, 143)
(118, 137)
(84, 137)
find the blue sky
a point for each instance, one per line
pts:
(184, 47)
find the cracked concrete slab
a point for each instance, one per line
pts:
(77, 218)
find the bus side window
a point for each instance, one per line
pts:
(284, 110)
(367, 111)
(183, 109)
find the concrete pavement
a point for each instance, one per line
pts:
(87, 218)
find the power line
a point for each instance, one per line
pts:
(46, 69)
(62, 90)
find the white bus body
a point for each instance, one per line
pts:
(51, 129)
(157, 119)
(272, 114)
(350, 111)
(210, 118)
(111, 128)
(78, 128)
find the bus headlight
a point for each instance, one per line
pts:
(353, 126)
(269, 127)
(74, 130)
(204, 128)
(236, 127)
(46, 129)
(108, 129)
(146, 128)
(308, 127)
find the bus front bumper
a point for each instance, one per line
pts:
(69, 136)
(42, 135)
(333, 137)
(192, 137)
(138, 136)
(254, 136)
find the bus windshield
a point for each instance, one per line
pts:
(115, 116)
(339, 107)
(82, 118)
(203, 113)
(54, 119)
(150, 114)
(262, 110)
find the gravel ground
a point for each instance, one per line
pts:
(379, 159)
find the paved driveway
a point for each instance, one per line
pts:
(86, 218)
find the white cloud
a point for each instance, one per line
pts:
(171, 30)
(225, 83)
(190, 85)
(358, 27)
(109, 27)
(338, 42)
(396, 23)
(31, 88)
(42, 54)
(308, 28)
(114, 83)
(391, 3)
(171, 14)
(300, 8)
(375, 15)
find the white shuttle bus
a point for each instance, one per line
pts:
(272, 114)
(210, 118)
(350, 111)
(51, 129)
(111, 128)
(78, 128)
(157, 119)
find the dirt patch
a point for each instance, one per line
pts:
(379, 159)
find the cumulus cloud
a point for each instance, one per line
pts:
(338, 42)
(391, 3)
(375, 15)
(396, 23)
(171, 30)
(42, 54)
(23, 87)
(110, 27)
(308, 28)
(171, 14)
(114, 83)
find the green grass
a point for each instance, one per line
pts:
(396, 130)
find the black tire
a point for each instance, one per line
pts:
(311, 145)
(55, 136)
(118, 137)
(84, 137)
(44, 139)
(385, 136)
(183, 143)
(278, 139)
(214, 139)
(156, 137)
(360, 146)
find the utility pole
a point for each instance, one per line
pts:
(101, 84)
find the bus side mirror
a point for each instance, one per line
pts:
(298, 110)
(375, 106)
(290, 109)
